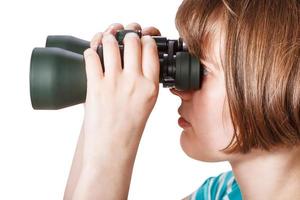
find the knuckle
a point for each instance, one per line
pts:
(131, 82)
(131, 88)
(97, 36)
(152, 90)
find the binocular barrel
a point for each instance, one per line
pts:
(58, 76)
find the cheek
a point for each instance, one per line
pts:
(212, 128)
(210, 109)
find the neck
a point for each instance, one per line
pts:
(268, 175)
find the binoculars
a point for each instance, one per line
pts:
(58, 76)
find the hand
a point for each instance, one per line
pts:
(117, 106)
(119, 101)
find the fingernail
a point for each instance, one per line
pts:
(87, 52)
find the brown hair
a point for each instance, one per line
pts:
(261, 65)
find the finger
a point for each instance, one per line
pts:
(132, 54)
(96, 40)
(92, 66)
(151, 31)
(111, 55)
(150, 59)
(133, 26)
(113, 28)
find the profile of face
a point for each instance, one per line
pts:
(207, 110)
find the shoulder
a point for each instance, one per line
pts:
(220, 187)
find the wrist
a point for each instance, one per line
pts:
(112, 139)
(106, 151)
(106, 177)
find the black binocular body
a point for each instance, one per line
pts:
(58, 76)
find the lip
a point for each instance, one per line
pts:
(182, 122)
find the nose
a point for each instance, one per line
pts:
(184, 95)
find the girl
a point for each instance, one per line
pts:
(247, 111)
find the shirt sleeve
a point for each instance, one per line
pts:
(214, 188)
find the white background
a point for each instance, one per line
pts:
(36, 147)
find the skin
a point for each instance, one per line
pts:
(207, 110)
(117, 106)
(260, 174)
(107, 146)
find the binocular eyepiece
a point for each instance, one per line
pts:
(58, 76)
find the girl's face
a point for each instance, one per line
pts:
(207, 111)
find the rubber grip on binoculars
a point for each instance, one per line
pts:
(57, 78)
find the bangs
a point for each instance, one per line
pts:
(196, 22)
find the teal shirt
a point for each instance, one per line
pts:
(222, 187)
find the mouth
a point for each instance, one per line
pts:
(182, 122)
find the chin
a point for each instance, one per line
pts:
(199, 152)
